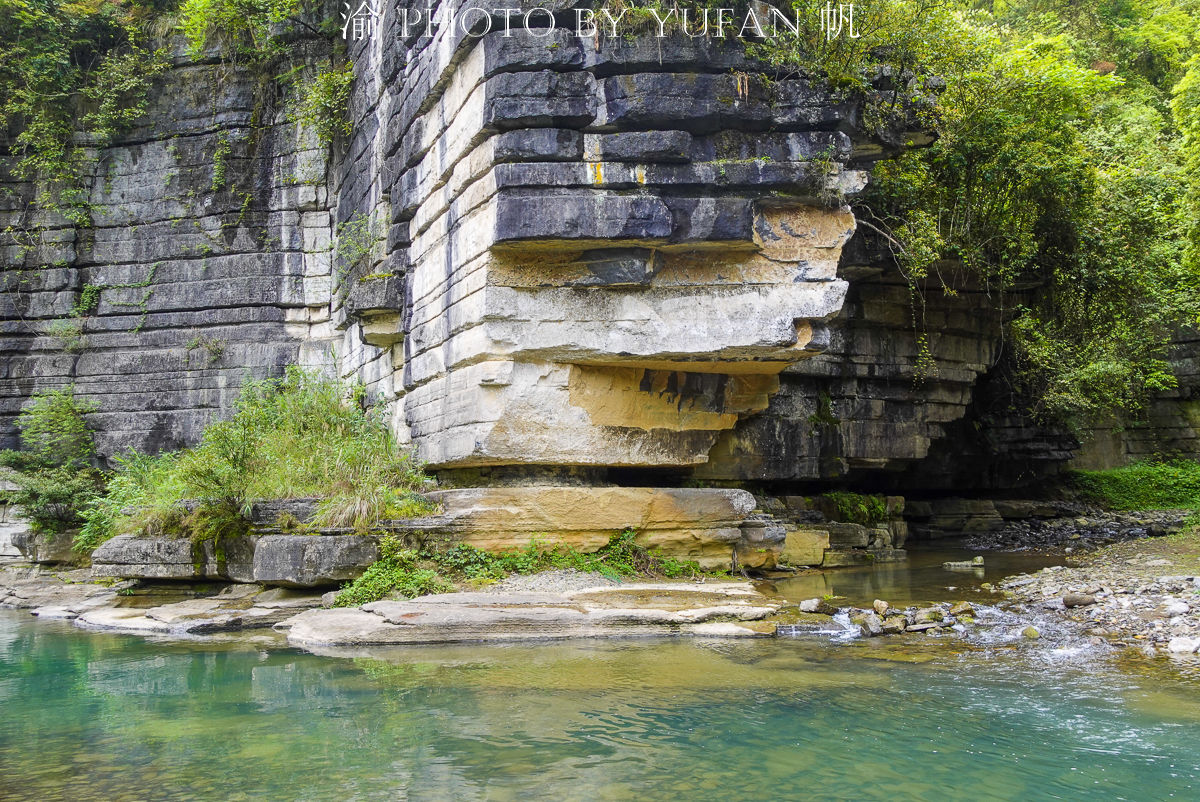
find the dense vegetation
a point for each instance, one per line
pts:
(1064, 181)
(1143, 486)
(1064, 163)
(412, 572)
(299, 436)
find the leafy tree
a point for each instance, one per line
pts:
(56, 480)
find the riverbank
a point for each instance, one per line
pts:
(548, 606)
(1143, 593)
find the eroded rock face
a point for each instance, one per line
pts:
(207, 260)
(299, 561)
(44, 548)
(12, 526)
(710, 526)
(133, 557)
(304, 561)
(610, 248)
(577, 256)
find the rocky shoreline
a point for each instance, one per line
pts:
(554, 605)
(1143, 593)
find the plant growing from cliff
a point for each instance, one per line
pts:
(255, 30)
(219, 161)
(324, 103)
(355, 241)
(68, 332)
(70, 67)
(858, 509)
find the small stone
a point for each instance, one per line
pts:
(923, 627)
(927, 615)
(881, 606)
(869, 623)
(1175, 607)
(895, 625)
(1183, 645)
(962, 608)
(1077, 600)
(1031, 633)
(822, 606)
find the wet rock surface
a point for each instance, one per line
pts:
(1125, 598)
(148, 608)
(554, 605)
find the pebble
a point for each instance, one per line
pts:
(1183, 645)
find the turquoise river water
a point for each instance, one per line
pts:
(90, 716)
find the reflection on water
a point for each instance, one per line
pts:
(920, 579)
(91, 716)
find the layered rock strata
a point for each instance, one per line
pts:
(577, 262)
(205, 260)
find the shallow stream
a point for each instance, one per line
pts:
(92, 716)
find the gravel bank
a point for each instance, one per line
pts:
(1141, 593)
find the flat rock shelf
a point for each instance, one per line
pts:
(726, 609)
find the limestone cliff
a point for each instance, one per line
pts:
(553, 259)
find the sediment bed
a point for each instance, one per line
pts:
(1140, 593)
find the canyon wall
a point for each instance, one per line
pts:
(557, 262)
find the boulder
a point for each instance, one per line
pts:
(869, 623)
(927, 615)
(306, 561)
(132, 557)
(46, 548)
(804, 545)
(1183, 645)
(961, 608)
(848, 536)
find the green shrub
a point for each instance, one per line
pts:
(298, 436)
(53, 499)
(413, 573)
(1143, 486)
(55, 479)
(248, 28)
(858, 509)
(396, 571)
(324, 103)
(54, 432)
